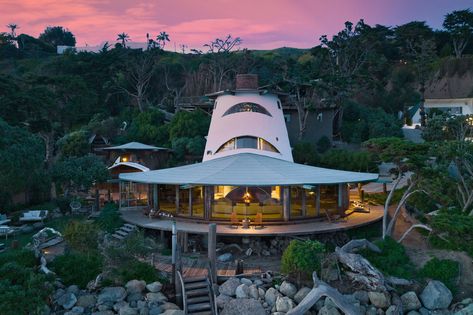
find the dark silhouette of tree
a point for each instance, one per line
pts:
(13, 27)
(162, 38)
(57, 36)
(124, 38)
(459, 25)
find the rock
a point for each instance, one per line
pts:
(222, 300)
(173, 312)
(242, 291)
(76, 310)
(38, 225)
(135, 286)
(225, 257)
(156, 297)
(379, 299)
(243, 306)
(284, 304)
(329, 303)
(127, 310)
(58, 293)
(111, 294)
(105, 307)
(361, 296)
(133, 297)
(169, 306)
(253, 292)
(144, 310)
(246, 281)
(73, 289)
(86, 301)
(424, 311)
(436, 296)
(288, 289)
(261, 293)
(154, 287)
(467, 301)
(410, 301)
(371, 310)
(379, 312)
(319, 304)
(465, 311)
(155, 310)
(265, 252)
(229, 287)
(258, 282)
(301, 294)
(327, 310)
(413, 313)
(67, 300)
(117, 306)
(271, 295)
(108, 312)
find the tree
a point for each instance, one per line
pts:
(13, 27)
(162, 38)
(459, 24)
(124, 38)
(57, 36)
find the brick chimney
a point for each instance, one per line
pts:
(247, 82)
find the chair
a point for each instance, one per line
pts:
(6, 230)
(234, 220)
(334, 218)
(4, 219)
(259, 221)
(34, 215)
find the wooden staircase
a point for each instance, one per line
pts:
(197, 295)
(124, 231)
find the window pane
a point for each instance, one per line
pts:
(247, 142)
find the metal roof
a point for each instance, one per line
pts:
(135, 146)
(247, 169)
(130, 164)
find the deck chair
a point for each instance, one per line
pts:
(334, 218)
(234, 220)
(259, 221)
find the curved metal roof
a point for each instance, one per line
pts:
(130, 164)
(248, 169)
(135, 146)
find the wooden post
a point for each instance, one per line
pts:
(317, 200)
(155, 197)
(174, 253)
(212, 250)
(304, 202)
(208, 198)
(286, 203)
(177, 199)
(385, 189)
(184, 242)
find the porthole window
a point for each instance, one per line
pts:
(247, 142)
(246, 107)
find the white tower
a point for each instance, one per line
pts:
(247, 120)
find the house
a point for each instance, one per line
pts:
(453, 106)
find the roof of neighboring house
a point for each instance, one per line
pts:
(248, 169)
(130, 164)
(136, 146)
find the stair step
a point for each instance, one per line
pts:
(126, 228)
(201, 313)
(122, 233)
(198, 279)
(197, 292)
(130, 225)
(198, 299)
(195, 285)
(119, 237)
(199, 307)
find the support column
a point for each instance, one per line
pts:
(340, 199)
(155, 197)
(286, 203)
(304, 202)
(208, 196)
(191, 211)
(317, 200)
(212, 247)
(177, 199)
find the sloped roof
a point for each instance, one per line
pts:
(130, 164)
(247, 169)
(135, 146)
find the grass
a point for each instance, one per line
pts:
(444, 270)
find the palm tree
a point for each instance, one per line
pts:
(162, 38)
(13, 27)
(124, 37)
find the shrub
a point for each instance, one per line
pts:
(323, 144)
(63, 204)
(81, 236)
(22, 257)
(456, 232)
(302, 257)
(19, 283)
(77, 268)
(135, 269)
(392, 260)
(444, 270)
(109, 219)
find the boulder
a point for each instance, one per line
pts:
(391, 310)
(58, 293)
(253, 292)
(361, 296)
(67, 300)
(169, 306)
(243, 306)
(413, 313)
(127, 310)
(328, 310)
(222, 300)
(156, 297)
(379, 299)
(107, 312)
(242, 291)
(76, 310)
(225, 257)
(371, 310)
(284, 304)
(111, 295)
(73, 289)
(134, 297)
(86, 301)
(436, 296)
(466, 310)
(135, 286)
(258, 282)
(301, 294)
(173, 312)
(229, 287)
(155, 310)
(154, 287)
(117, 306)
(246, 281)
(288, 289)
(261, 293)
(271, 295)
(410, 301)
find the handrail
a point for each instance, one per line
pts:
(211, 283)
(183, 291)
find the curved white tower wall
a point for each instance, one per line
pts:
(247, 122)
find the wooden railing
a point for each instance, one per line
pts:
(183, 291)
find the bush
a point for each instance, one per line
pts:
(444, 270)
(456, 232)
(135, 269)
(302, 257)
(77, 268)
(22, 257)
(323, 144)
(392, 260)
(81, 236)
(63, 204)
(22, 284)
(109, 219)
(305, 153)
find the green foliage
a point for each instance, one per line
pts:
(57, 35)
(109, 219)
(74, 144)
(19, 283)
(360, 161)
(149, 127)
(444, 270)
(189, 125)
(302, 257)
(135, 269)
(323, 144)
(22, 257)
(455, 229)
(77, 268)
(305, 153)
(81, 236)
(392, 260)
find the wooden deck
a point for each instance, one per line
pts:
(305, 227)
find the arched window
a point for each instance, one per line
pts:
(247, 142)
(246, 107)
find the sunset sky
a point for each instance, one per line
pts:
(262, 24)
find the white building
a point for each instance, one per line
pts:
(454, 106)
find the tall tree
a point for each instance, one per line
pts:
(57, 35)
(124, 38)
(460, 26)
(13, 27)
(162, 38)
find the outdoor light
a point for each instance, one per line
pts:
(124, 159)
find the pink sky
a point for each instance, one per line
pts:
(262, 24)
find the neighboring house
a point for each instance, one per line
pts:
(453, 106)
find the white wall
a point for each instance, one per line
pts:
(465, 103)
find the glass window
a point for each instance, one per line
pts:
(329, 198)
(311, 202)
(197, 201)
(167, 198)
(246, 107)
(133, 194)
(247, 142)
(184, 208)
(297, 207)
